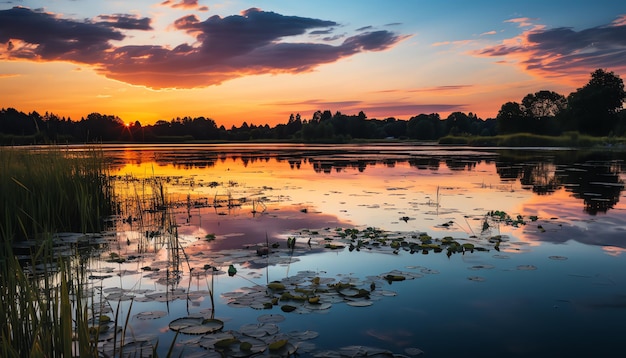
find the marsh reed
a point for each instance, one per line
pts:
(44, 303)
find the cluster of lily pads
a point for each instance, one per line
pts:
(304, 293)
(308, 292)
(263, 338)
(376, 239)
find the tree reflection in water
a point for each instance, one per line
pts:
(593, 177)
(597, 184)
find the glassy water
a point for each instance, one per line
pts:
(537, 268)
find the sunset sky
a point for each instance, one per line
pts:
(260, 61)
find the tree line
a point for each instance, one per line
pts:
(595, 109)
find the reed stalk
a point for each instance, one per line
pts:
(44, 192)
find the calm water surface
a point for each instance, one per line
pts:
(554, 286)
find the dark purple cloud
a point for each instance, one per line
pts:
(124, 21)
(322, 32)
(364, 28)
(225, 48)
(49, 38)
(564, 51)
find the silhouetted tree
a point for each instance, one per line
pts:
(510, 118)
(593, 108)
(544, 104)
(542, 110)
(424, 127)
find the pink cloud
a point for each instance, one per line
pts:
(564, 52)
(522, 21)
(185, 4)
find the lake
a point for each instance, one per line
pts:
(354, 250)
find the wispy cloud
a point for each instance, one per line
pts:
(250, 43)
(372, 110)
(445, 89)
(185, 4)
(8, 75)
(522, 21)
(620, 21)
(410, 110)
(563, 51)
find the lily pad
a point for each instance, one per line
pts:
(271, 318)
(150, 315)
(288, 308)
(363, 351)
(360, 303)
(526, 267)
(303, 335)
(276, 345)
(412, 351)
(196, 325)
(259, 330)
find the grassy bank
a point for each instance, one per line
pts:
(570, 139)
(43, 305)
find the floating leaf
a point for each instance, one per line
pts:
(557, 258)
(274, 346)
(395, 278)
(526, 267)
(362, 351)
(271, 318)
(318, 306)
(225, 343)
(481, 267)
(303, 335)
(196, 325)
(259, 330)
(412, 351)
(361, 303)
(150, 315)
(276, 286)
(245, 346)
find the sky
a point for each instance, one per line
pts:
(258, 62)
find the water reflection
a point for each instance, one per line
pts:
(535, 295)
(591, 177)
(598, 184)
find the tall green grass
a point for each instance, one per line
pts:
(52, 191)
(44, 192)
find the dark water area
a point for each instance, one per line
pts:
(539, 269)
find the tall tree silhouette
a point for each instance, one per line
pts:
(593, 109)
